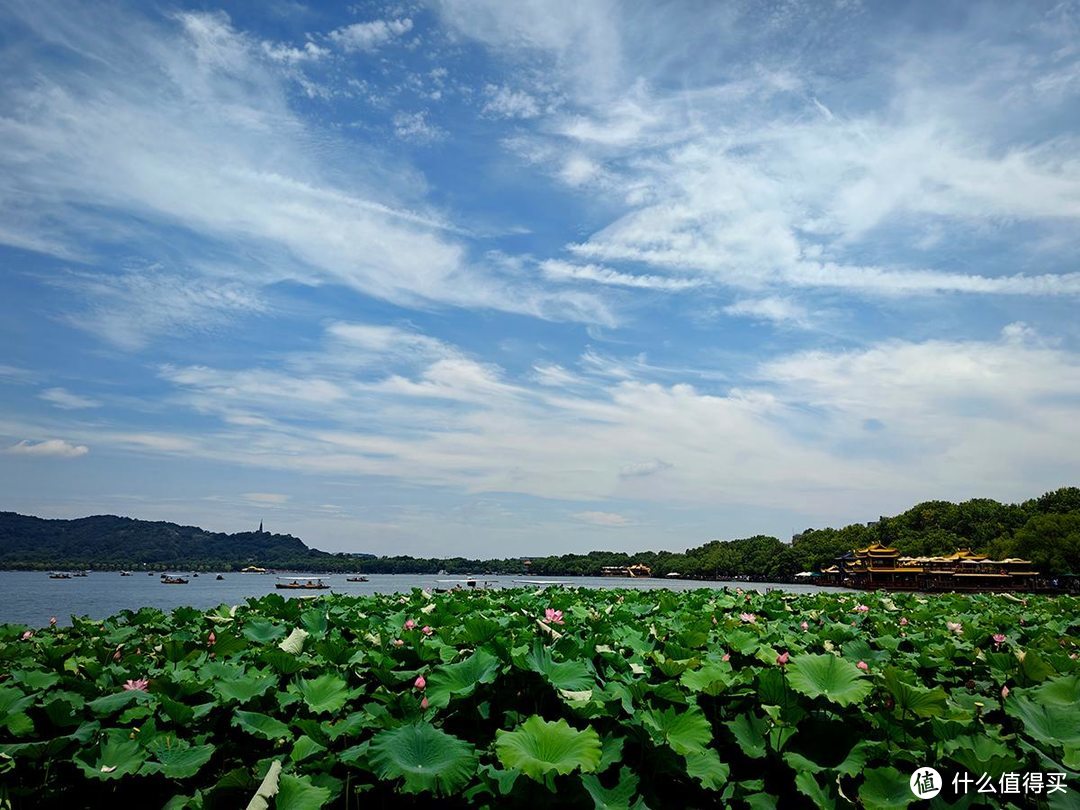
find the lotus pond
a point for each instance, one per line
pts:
(581, 698)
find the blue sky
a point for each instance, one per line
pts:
(500, 278)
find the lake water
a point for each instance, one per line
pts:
(30, 597)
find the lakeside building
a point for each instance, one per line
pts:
(879, 566)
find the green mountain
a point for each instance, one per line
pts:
(1045, 530)
(107, 541)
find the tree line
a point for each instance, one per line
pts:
(1045, 530)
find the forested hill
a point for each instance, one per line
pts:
(1045, 530)
(107, 541)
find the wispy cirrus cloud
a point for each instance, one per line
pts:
(609, 519)
(249, 179)
(62, 398)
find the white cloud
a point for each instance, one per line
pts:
(645, 468)
(566, 271)
(608, 519)
(369, 36)
(552, 374)
(417, 127)
(777, 177)
(504, 102)
(291, 55)
(16, 374)
(48, 448)
(102, 150)
(266, 498)
(62, 398)
(771, 308)
(132, 308)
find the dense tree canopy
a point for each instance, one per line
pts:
(1045, 530)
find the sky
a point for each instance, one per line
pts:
(504, 279)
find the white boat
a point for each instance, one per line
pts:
(543, 583)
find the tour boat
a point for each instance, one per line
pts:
(300, 584)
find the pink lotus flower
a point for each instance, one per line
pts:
(726, 657)
(52, 622)
(955, 627)
(424, 703)
(863, 666)
(397, 642)
(999, 638)
(748, 618)
(783, 658)
(861, 608)
(804, 626)
(139, 685)
(426, 630)
(1004, 692)
(553, 616)
(409, 624)
(903, 622)
(211, 640)
(27, 635)
(420, 683)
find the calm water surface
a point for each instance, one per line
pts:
(30, 597)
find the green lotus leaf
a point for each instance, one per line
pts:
(619, 797)
(1034, 669)
(538, 747)
(981, 754)
(749, 732)
(117, 757)
(182, 762)
(914, 699)
(460, 679)
(574, 676)
(886, 788)
(324, 694)
(262, 631)
(110, 704)
(245, 688)
(298, 793)
(14, 700)
(315, 622)
(1061, 691)
(305, 747)
(19, 724)
(261, 725)
(761, 801)
(712, 678)
(427, 758)
(685, 732)
(706, 767)
(810, 787)
(35, 679)
(282, 662)
(1049, 724)
(827, 676)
